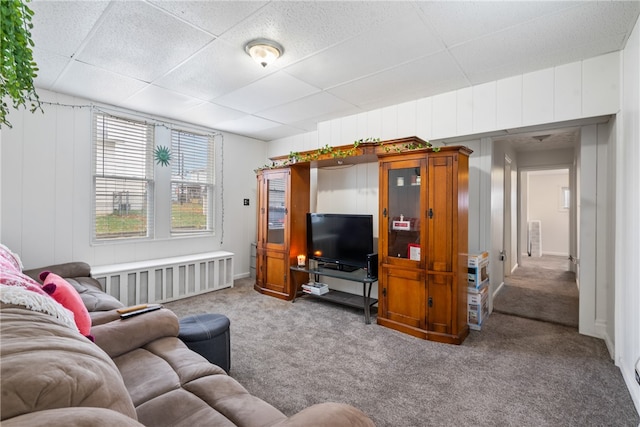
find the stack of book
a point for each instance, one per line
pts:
(314, 288)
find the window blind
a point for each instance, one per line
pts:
(192, 182)
(123, 178)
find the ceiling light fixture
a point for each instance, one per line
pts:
(264, 51)
(540, 138)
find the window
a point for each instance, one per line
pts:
(123, 178)
(192, 180)
(565, 198)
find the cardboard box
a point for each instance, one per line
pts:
(479, 297)
(477, 308)
(477, 276)
(476, 260)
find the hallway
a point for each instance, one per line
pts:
(541, 289)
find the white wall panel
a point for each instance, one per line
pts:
(407, 119)
(444, 115)
(374, 124)
(309, 141)
(484, 107)
(464, 113)
(39, 173)
(568, 91)
(11, 180)
(627, 247)
(64, 185)
(587, 208)
(324, 134)
(601, 85)
(349, 129)
(336, 134)
(363, 127)
(389, 122)
(509, 102)
(537, 97)
(424, 108)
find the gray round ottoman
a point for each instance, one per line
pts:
(208, 335)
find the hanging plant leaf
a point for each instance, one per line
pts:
(162, 155)
(17, 67)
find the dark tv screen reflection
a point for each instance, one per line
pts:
(340, 241)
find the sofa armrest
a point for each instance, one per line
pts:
(123, 335)
(328, 414)
(78, 274)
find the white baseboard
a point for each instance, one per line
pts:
(241, 276)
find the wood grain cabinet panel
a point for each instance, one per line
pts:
(422, 243)
(282, 203)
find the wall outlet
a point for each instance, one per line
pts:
(245, 202)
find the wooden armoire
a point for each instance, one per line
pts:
(422, 243)
(282, 203)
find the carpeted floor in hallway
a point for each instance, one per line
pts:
(542, 288)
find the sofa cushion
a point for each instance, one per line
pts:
(66, 295)
(164, 378)
(72, 417)
(48, 365)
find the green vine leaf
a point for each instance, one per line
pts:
(162, 155)
(17, 67)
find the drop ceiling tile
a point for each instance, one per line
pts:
(163, 102)
(247, 125)
(559, 38)
(275, 89)
(138, 40)
(104, 86)
(278, 132)
(214, 71)
(80, 17)
(460, 21)
(215, 17)
(50, 65)
(316, 105)
(208, 114)
(392, 43)
(550, 59)
(424, 77)
(307, 27)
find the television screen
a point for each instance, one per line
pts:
(341, 241)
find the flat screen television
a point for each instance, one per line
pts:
(340, 241)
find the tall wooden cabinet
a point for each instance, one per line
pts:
(423, 235)
(282, 203)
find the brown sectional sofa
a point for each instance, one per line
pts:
(136, 373)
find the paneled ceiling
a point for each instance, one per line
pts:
(185, 60)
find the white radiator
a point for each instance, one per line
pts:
(167, 279)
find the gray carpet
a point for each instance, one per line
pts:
(541, 289)
(515, 372)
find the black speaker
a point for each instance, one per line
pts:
(372, 266)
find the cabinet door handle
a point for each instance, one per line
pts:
(384, 212)
(430, 213)
(430, 302)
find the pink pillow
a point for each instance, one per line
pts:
(65, 294)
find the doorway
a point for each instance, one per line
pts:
(539, 284)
